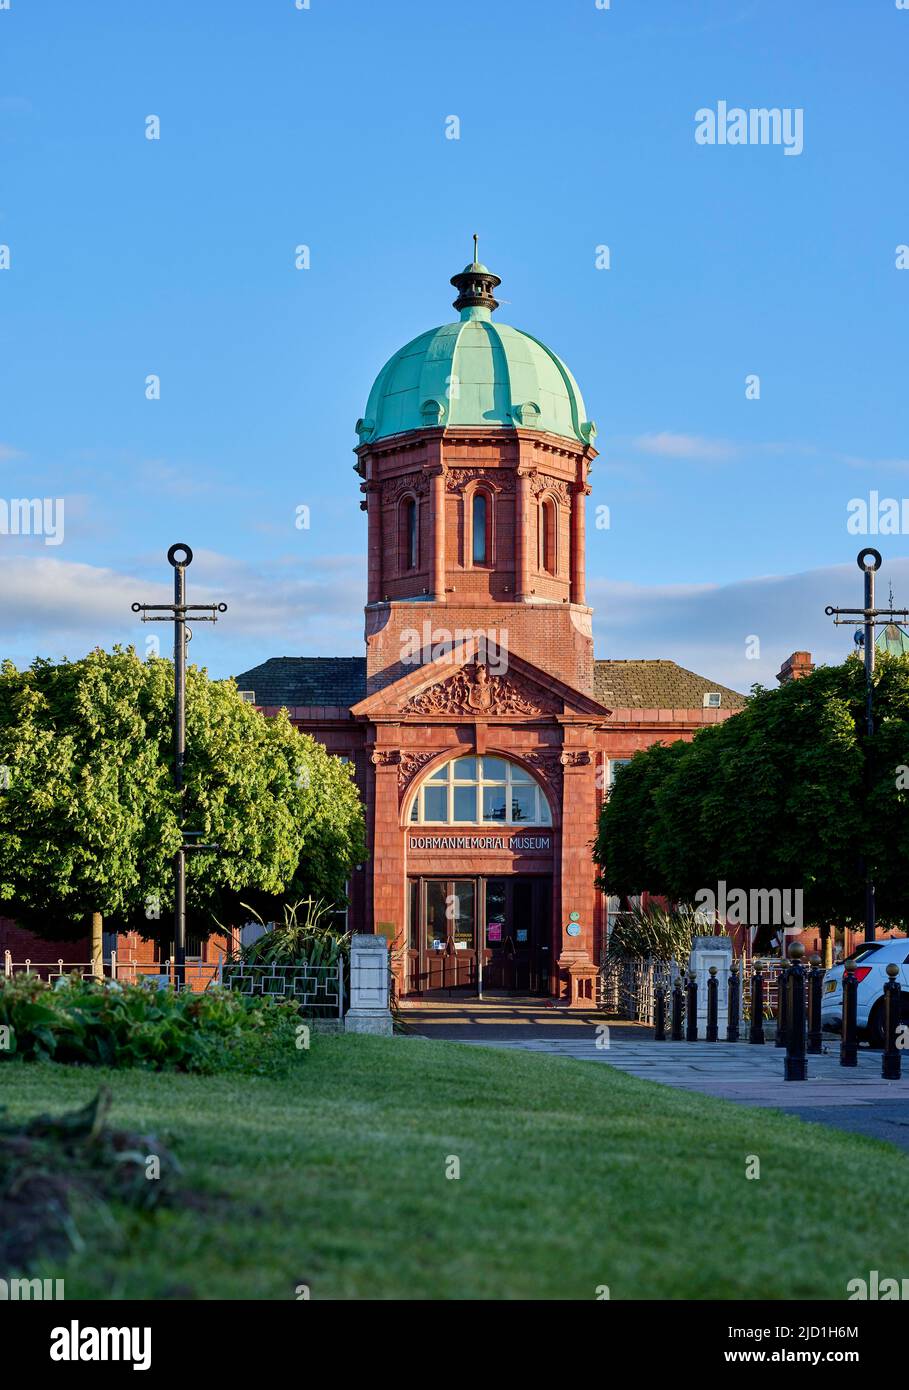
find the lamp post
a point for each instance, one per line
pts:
(869, 562)
(178, 612)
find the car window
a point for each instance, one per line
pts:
(866, 949)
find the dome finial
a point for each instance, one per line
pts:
(475, 285)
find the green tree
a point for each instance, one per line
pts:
(774, 797)
(89, 818)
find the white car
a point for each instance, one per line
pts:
(871, 960)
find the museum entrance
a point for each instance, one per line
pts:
(474, 934)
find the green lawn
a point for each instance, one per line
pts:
(572, 1175)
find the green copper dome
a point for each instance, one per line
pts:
(475, 372)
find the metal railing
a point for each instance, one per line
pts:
(318, 989)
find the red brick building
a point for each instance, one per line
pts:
(483, 731)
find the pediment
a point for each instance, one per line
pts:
(473, 688)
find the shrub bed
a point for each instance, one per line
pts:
(101, 1023)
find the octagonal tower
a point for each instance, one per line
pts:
(474, 452)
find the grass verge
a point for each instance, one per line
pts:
(572, 1175)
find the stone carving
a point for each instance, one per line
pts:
(409, 766)
(546, 761)
(576, 757)
(393, 488)
(500, 479)
(540, 483)
(385, 757)
(473, 690)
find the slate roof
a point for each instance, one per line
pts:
(656, 685)
(307, 680)
(341, 680)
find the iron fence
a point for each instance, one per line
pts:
(317, 989)
(627, 988)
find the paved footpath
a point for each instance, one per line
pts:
(850, 1098)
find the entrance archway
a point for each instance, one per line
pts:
(480, 853)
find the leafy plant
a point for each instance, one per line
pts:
(305, 937)
(655, 933)
(101, 1023)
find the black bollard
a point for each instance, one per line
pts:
(713, 987)
(691, 1008)
(849, 1039)
(891, 1062)
(659, 1034)
(815, 990)
(795, 1067)
(678, 1009)
(756, 1031)
(782, 1005)
(732, 1004)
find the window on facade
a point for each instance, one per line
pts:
(480, 528)
(409, 538)
(548, 535)
(480, 791)
(615, 765)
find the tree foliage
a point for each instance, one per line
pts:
(90, 820)
(775, 797)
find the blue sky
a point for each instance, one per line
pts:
(326, 127)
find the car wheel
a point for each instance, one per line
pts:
(876, 1026)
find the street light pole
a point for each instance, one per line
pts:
(179, 557)
(869, 562)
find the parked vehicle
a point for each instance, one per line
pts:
(871, 959)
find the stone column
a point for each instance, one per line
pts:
(578, 494)
(436, 473)
(387, 848)
(523, 536)
(373, 506)
(369, 1011)
(577, 968)
(707, 951)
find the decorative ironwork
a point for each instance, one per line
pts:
(317, 989)
(180, 556)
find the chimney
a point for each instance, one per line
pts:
(796, 666)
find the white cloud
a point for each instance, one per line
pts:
(685, 446)
(60, 608)
(706, 627)
(54, 608)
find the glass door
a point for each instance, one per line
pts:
(518, 930)
(449, 933)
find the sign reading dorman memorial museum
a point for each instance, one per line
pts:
(506, 842)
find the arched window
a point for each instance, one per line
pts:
(409, 540)
(480, 791)
(479, 528)
(548, 521)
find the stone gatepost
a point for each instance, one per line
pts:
(707, 951)
(369, 1011)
